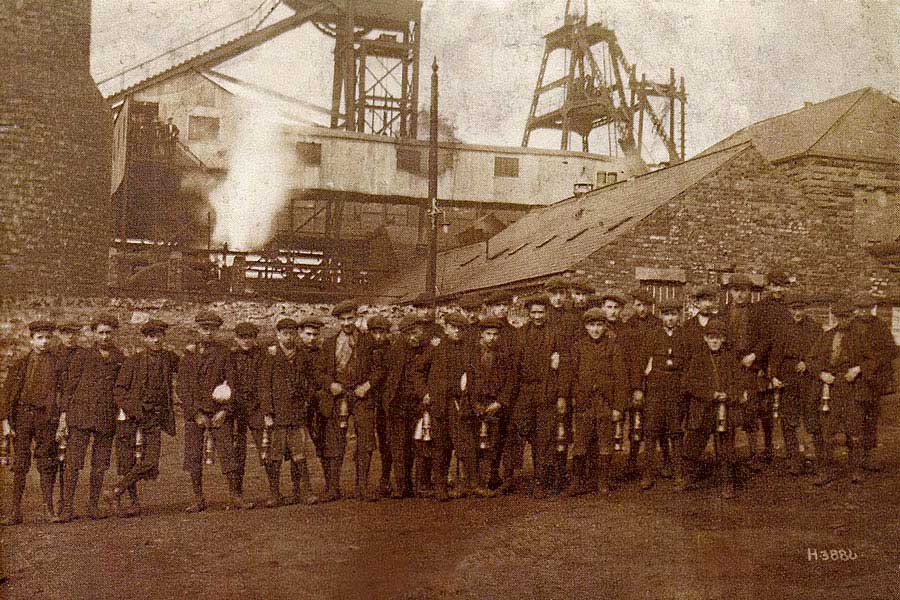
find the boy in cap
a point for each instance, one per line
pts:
(404, 389)
(206, 399)
(344, 376)
(380, 330)
(878, 333)
(633, 337)
(594, 380)
(88, 413)
(706, 301)
(712, 382)
(537, 409)
(143, 396)
(286, 387)
(846, 367)
(67, 335)
(245, 362)
(28, 413)
(794, 380)
(665, 350)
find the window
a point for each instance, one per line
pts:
(617, 225)
(309, 153)
(505, 166)
(203, 129)
(545, 242)
(409, 160)
(611, 178)
(577, 234)
(517, 248)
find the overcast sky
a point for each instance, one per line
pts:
(742, 60)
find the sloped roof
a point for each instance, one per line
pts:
(551, 240)
(292, 110)
(864, 124)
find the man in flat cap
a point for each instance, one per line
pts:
(67, 334)
(539, 405)
(706, 300)
(207, 401)
(287, 386)
(344, 372)
(28, 413)
(594, 380)
(404, 389)
(878, 334)
(143, 396)
(379, 329)
(712, 382)
(790, 365)
(88, 413)
(245, 360)
(846, 366)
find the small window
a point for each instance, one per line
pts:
(578, 234)
(309, 153)
(409, 160)
(203, 129)
(498, 254)
(517, 248)
(611, 178)
(617, 225)
(547, 241)
(505, 166)
(467, 261)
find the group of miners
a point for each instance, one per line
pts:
(576, 383)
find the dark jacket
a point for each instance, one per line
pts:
(202, 368)
(132, 392)
(594, 376)
(794, 345)
(878, 334)
(88, 398)
(538, 381)
(243, 375)
(284, 387)
(407, 369)
(633, 339)
(446, 364)
(855, 351)
(46, 396)
(709, 372)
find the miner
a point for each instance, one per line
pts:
(633, 337)
(379, 328)
(706, 302)
(712, 383)
(207, 401)
(67, 335)
(245, 363)
(88, 413)
(344, 372)
(143, 396)
(594, 380)
(665, 350)
(29, 413)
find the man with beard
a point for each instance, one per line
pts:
(28, 414)
(88, 413)
(380, 330)
(665, 349)
(539, 407)
(245, 362)
(344, 376)
(403, 393)
(878, 334)
(594, 380)
(144, 400)
(791, 369)
(207, 405)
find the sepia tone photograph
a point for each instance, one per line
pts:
(450, 299)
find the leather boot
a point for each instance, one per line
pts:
(93, 507)
(363, 463)
(727, 475)
(48, 484)
(333, 492)
(273, 474)
(15, 514)
(237, 499)
(576, 483)
(604, 475)
(199, 503)
(70, 482)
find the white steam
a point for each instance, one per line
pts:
(259, 181)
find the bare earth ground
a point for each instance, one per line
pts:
(656, 544)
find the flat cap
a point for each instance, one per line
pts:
(154, 326)
(344, 307)
(796, 300)
(581, 284)
(490, 323)
(105, 319)
(642, 296)
(310, 321)
(456, 319)
(611, 295)
(498, 298)
(593, 315)
(778, 277)
(864, 300)
(539, 299)
(378, 323)
(41, 325)
(246, 330)
(556, 284)
(842, 307)
(739, 281)
(208, 317)
(286, 323)
(409, 321)
(706, 291)
(716, 327)
(69, 327)
(670, 305)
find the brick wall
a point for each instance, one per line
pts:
(55, 133)
(748, 215)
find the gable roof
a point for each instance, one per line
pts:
(553, 239)
(864, 124)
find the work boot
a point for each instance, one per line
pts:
(47, 486)
(333, 492)
(237, 499)
(869, 463)
(384, 488)
(857, 476)
(273, 474)
(198, 505)
(728, 491)
(93, 508)
(440, 492)
(15, 515)
(576, 483)
(114, 499)
(14, 518)
(484, 492)
(539, 492)
(604, 475)
(827, 474)
(647, 482)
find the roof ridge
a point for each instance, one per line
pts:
(861, 91)
(865, 92)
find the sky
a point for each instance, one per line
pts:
(742, 60)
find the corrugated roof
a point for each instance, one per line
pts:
(861, 124)
(553, 239)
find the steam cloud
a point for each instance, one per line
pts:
(258, 184)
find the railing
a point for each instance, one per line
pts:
(162, 62)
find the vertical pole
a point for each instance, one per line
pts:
(642, 99)
(431, 278)
(414, 92)
(208, 230)
(683, 98)
(672, 111)
(361, 85)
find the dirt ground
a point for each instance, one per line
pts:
(656, 544)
